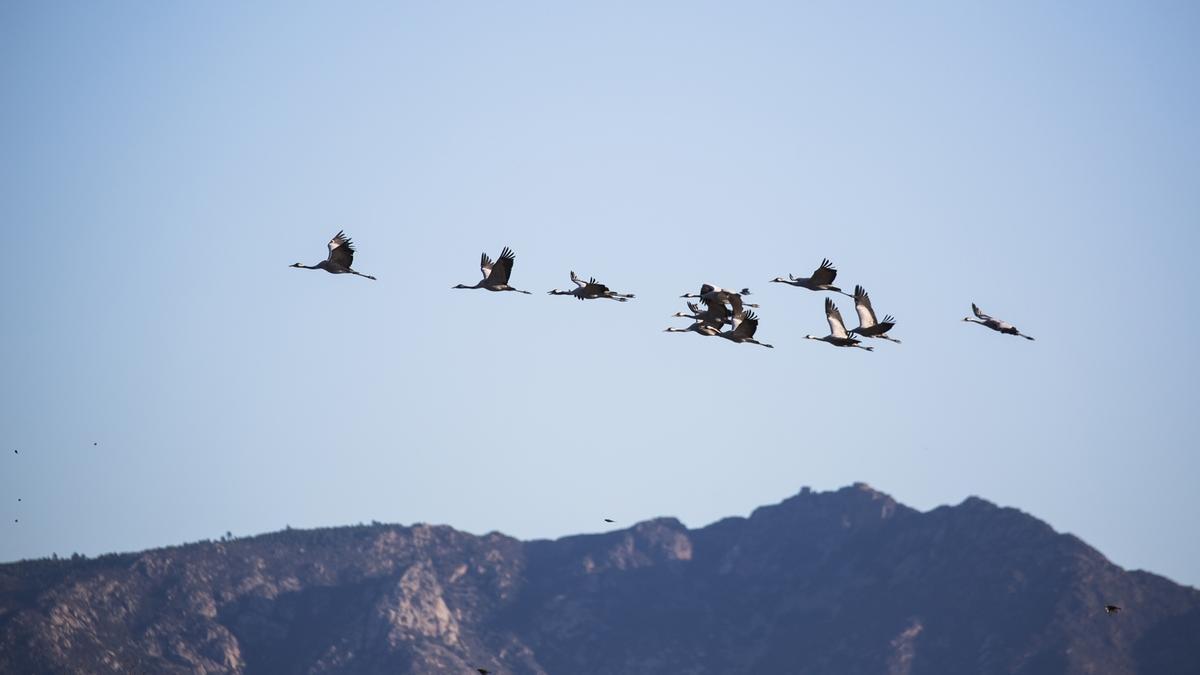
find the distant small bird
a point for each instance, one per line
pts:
(16, 521)
(743, 330)
(993, 323)
(483, 671)
(496, 273)
(838, 336)
(821, 279)
(868, 326)
(18, 499)
(15, 452)
(609, 520)
(95, 444)
(341, 257)
(591, 290)
(1112, 609)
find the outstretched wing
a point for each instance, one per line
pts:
(862, 305)
(979, 312)
(341, 250)
(747, 325)
(485, 265)
(716, 313)
(837, 327)
(825, 274)
(502, 268)
(577, 281)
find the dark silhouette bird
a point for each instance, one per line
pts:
(95, 444)
(609, 520)
(710, 294)
(483, 671)
(868, 326)
(743, 330)
(591, 290)
(1112, 609)
(821, 279)
(15, 452)
(715, 314)
(496, 273)
(341, 257)
(993, 323)
(18, 499)
(838, 336)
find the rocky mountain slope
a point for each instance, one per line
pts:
(840, 582)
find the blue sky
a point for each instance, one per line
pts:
(164, 163)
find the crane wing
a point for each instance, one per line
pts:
(748, 324)
(577, 281)
(837, 327)
(341, 250)
(485, 265)
(502, 268)
(862, 305)
(825, 274)
(979, 312)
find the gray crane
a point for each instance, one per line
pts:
(496, 273)
(821, 279)
(592, 290)
(341, 256)
(994, 323)
(838, 336)
(868, 326)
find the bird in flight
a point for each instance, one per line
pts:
(341, 257)
(743, 330)
(993, 323)
(609, 520)
(591, 290)
(838, 336)
(710, 294)
(821, 279)
(1112, 609)
(496, 273)
(483, 671)
(868, 326)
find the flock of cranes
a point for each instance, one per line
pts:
(721, 307)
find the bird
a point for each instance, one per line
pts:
(701, 327)
(715, 314)
(994, 324)
(743, 330)
(15, 452)
(868, 326)
(609, 520)
(710, 294)
(341, 257)
(1112, 609)
(483, 671)
(18, 499)
(591, 290)
(838, 336)
(495, 274)
(94, 444)
(821, 279)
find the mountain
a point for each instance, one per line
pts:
(841, 582)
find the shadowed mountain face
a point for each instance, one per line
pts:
(841, 582)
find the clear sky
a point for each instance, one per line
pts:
(166, 377)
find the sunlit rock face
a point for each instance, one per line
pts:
(840, 582)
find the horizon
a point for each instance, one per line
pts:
(169, 378)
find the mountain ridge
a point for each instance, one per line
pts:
(843, 581)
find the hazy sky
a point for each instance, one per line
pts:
(163, 164)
